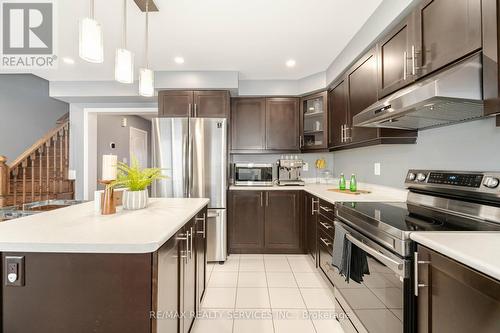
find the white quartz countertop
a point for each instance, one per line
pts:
(378, 193)
(79, 229)
(478, 250)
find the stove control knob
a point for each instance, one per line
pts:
(421, 177)
(491, 182)
(411, 176)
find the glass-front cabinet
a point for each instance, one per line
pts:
(314, 123)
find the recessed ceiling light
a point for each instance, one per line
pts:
(179, 60)
(290, 63)
(68, 60)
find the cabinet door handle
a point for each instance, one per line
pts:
(326, 209)
(313, 211)
(405, 65)
(261, 200)
(191, 244)
(267, 199)
(417, 262)
(326, 242)
(195, 110)
(190, 114)
(342, 133)
(185, 237)
(204, 220)
(325, 225)
(413, 61)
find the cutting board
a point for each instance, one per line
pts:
(358, 192)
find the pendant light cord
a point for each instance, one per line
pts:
(147, 33)
(124, 41)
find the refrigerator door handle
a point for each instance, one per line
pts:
(190, 163)
(185, 165)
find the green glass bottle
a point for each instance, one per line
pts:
(342, 182)
(353, 186)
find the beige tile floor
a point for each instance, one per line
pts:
(267, 294)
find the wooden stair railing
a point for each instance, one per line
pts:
(41, 172)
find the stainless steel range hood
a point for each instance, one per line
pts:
(451, 96)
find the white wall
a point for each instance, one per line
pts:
(83, 144)
(471, 146)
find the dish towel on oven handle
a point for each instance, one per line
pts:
(351, 261)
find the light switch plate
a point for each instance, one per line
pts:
(305, 167)
(376, 169)
(14, 271)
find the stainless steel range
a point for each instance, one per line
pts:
(437, 201)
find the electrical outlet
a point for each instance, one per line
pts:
(305, 167)
(376, 169)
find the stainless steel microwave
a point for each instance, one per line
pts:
(253, 174)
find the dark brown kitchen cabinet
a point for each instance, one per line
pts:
(211, 104)
(282, 221)
(109, 292)
(188, 278)
(395, 51)
(362, 92)
(200, 246)
(338, 114)
(282, 124)
(175, 103)
(248, 124)
(448, 30)
(246, 221)
(453, 298)
(265, 222)
(311, 204)
(265, 125)
(314, 122)
(188, 103)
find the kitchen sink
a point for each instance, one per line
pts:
(14, 212)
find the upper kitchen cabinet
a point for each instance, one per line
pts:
(362, 92)
(248, 124)
(211, 104)
(448, 30)
(265, 125)
(175, 103)
(282, 124)
(187, 103)
(338, 114)
(314, 122)
(395, 63)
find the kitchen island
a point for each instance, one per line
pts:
(74, 270)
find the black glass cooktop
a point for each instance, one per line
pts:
(406, 217)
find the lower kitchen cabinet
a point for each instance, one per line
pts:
(453, 298)
(282, 220)
(110, 292)
(311, 204)
(265, 222)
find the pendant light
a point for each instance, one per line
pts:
(124, 59)
(91, 39)
(146, 75)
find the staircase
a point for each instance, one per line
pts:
(41, 172)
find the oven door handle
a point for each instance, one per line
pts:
(389, 262)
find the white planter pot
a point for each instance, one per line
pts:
(133, 200)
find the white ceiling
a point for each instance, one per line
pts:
(254, 37)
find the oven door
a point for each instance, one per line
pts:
(375, 305)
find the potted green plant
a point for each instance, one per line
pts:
(135, 180)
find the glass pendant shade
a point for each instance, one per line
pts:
(146, 82)
(124, 66)
(91, 41)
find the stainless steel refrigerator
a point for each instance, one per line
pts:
(193, 154)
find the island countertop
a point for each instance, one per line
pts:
(79, 229)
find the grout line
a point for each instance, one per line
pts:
(269, 295)
(236, 291)
(302, 296)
